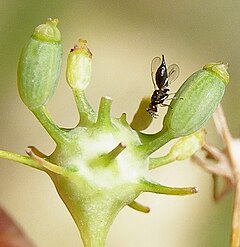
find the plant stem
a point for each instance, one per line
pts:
(232, 154)
(86, 113)
(58, 135)
(161, 161)
(221, 125)
(148, 186)
(155, 142)
(104, 117)
(139, 207)
(235, 233)
(21, 159)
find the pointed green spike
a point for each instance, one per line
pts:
(116, 151)
(21, 159)
(46, 164)
(104, 118)
(153, 187)
(106, 159)
(139, 207)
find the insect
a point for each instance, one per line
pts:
(161, 78)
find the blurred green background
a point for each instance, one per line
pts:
(123, 36)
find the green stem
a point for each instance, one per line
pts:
(155, 142)
(48, 165)
(139, 207)
(93, 217)
(104, 117)
(58, 135)
(106, 159)
(161, 161)
(21, 159)
(160, 189)
(93, 227)
(86, 113)
(96, 240)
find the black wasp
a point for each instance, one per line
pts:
(161, 78)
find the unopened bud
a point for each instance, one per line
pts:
(196, 100)
(79, 67)
(186, 146)
(39, 65)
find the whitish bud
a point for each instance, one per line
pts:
(186, 146)
(79, 67)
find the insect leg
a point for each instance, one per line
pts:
(174, 97)
(163, 105)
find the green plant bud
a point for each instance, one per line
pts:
(186, 146)
(39, 65)
(196, 100)
(219, 69)
(79, 66)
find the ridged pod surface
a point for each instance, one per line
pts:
(196, 100)
(39, 65)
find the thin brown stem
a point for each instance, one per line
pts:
(213, 152)
(235, 233)
(222, 126)
(213, 169)
(218, 195)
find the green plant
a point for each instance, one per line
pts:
(103, 163)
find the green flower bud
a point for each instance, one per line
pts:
(186, 146)
(219, 69)
(79, 66)
(39, 65)
(196, 100)
(183, 149)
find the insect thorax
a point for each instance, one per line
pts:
(159, 96)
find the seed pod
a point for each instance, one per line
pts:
(196, 100)
(39, 65)
(79, 66)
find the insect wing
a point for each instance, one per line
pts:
(154, 67)
(162, 75)
(173, 73)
